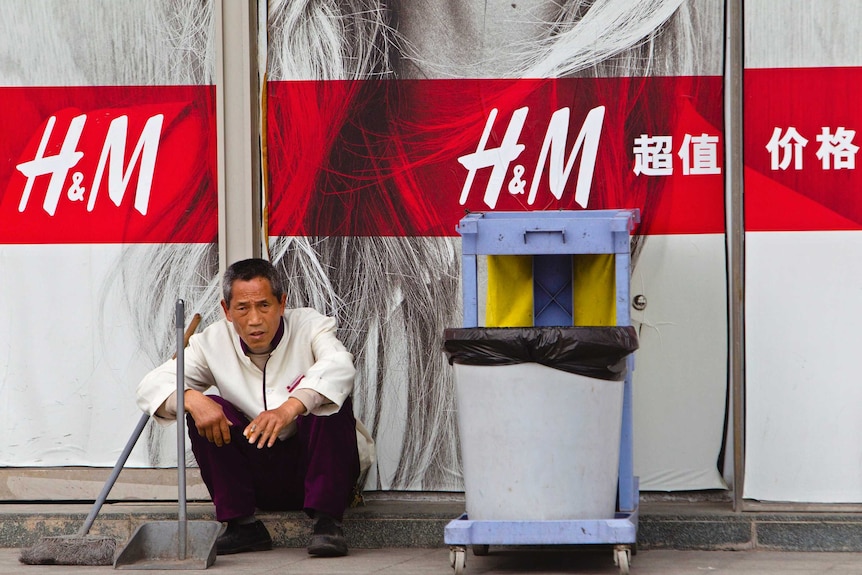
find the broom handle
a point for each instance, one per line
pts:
(182, 532)
(133, 439)
(85, 528)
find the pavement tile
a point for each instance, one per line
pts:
(545, 561)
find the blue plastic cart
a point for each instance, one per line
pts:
(552, 238)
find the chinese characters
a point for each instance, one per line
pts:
(684, 153)
(836, 150)
(653, 155)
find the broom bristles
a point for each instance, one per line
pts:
(71, 550)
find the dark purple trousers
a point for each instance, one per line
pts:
(314, 470)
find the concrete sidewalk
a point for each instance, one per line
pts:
(411, 561)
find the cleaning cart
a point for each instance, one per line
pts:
(573, 514)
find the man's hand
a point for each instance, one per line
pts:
(264, 428)
(209, 417)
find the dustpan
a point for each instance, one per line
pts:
(180, 544)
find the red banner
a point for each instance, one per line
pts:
(800, 149)
(108, 164)
(410, 157)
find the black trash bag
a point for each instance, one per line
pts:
(597, 352)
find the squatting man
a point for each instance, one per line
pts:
(280, 434)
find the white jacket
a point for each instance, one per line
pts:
(308, 350)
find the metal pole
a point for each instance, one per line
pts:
(181, 434)
(733, 105)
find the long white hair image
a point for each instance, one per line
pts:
(393, 296)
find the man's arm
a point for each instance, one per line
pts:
(156, 392)
(208, 416)
(333, 371)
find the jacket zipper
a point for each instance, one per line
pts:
(263, 385)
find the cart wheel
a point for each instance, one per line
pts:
(622, 559)
(458, 559)
(480, 550)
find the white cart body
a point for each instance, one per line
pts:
(552, 238)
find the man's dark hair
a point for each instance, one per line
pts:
(246, 270)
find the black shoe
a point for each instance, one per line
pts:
(241, 538)
(328, 538)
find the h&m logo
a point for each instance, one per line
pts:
(112, 162)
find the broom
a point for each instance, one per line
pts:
(80, 548)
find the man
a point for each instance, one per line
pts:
(281, 433)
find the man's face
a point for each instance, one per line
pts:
(255, 312)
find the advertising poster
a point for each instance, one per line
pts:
(383, 127)
(108, 215)
(386, 125)
(803, 217)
